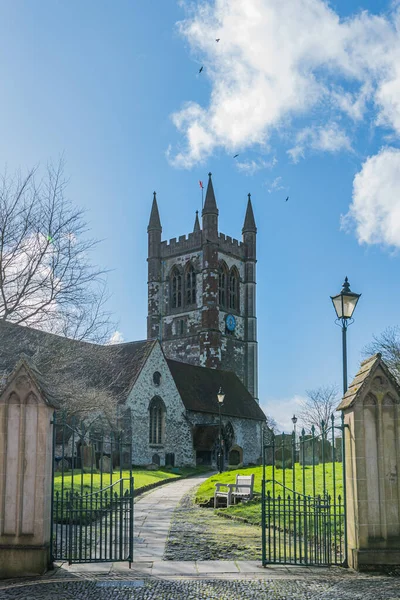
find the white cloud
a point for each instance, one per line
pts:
(280, 60)
(116, 338)
(375, 208)
(23, 270)
(282, 411)
(328, 138)
(250, 167)
(276, 185)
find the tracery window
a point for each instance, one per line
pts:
(157, 420)
(190, 285)
(234, 289)
(176, 288)
(222, 282)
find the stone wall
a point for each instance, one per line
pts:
(247, 433)
(178, 432)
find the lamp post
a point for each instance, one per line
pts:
(294, 421)
(344, 305)
(221, 398)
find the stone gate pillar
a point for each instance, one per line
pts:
(371, 409)
(25, 474)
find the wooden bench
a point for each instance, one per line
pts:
(241, 490)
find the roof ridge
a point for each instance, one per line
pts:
(68, 339)
(376, 356)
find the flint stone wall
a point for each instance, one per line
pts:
(247, 433)
(178, 431)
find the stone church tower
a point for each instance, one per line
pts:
(202, 294)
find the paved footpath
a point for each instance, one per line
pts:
(153, 512)
(151, 578)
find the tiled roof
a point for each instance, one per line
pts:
(367, 368)
(61, 362)
(198, 388)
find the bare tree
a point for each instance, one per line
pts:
(388, 344)
(46, 278)
(319, 406)
(272, 424)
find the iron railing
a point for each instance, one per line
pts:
(303, 498)
(93, 491)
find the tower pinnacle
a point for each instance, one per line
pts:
(210, 205)
(154, 221)
(196, 223)
(249, 221)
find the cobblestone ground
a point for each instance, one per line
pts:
(157, 589)
(198, 534)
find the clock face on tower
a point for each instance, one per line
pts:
(230, 322)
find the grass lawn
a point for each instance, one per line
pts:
(251, 511)
(89, 486)
(92, 483)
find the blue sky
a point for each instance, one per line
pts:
(306, 93)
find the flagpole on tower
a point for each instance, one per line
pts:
(202, 193)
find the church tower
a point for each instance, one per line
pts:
(202, 293)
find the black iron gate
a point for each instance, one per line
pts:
(304, 497)
(92, 500)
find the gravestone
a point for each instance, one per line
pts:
(88, 456)
(105, 464)
(152, 467)
(170, 459)
(155, 459)
(63, 465)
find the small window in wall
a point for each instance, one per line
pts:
(234, 289)
(176, 288)
(190, 285)
(157, 421)
(156, 378)
(180, 327)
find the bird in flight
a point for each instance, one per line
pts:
(217, 40)
(287, 199)
(201, 68)
(236, 155)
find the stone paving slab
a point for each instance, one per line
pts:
(200, 569)
(213, 567)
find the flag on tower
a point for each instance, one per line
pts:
(201, 184)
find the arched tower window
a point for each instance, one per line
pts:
(190, 285)
(234, 289)
(176, 288)
(222, 284)
(157, 421)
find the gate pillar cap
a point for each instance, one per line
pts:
(372, 370)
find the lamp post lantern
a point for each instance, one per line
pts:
(221, 398)
(294, 421)
(344, 305)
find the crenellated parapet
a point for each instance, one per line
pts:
(231, 246)
(184, 244)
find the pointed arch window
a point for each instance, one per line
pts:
(190, 285)
(222, 283)
(234, 289)
(176, 288)
(157, 421)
